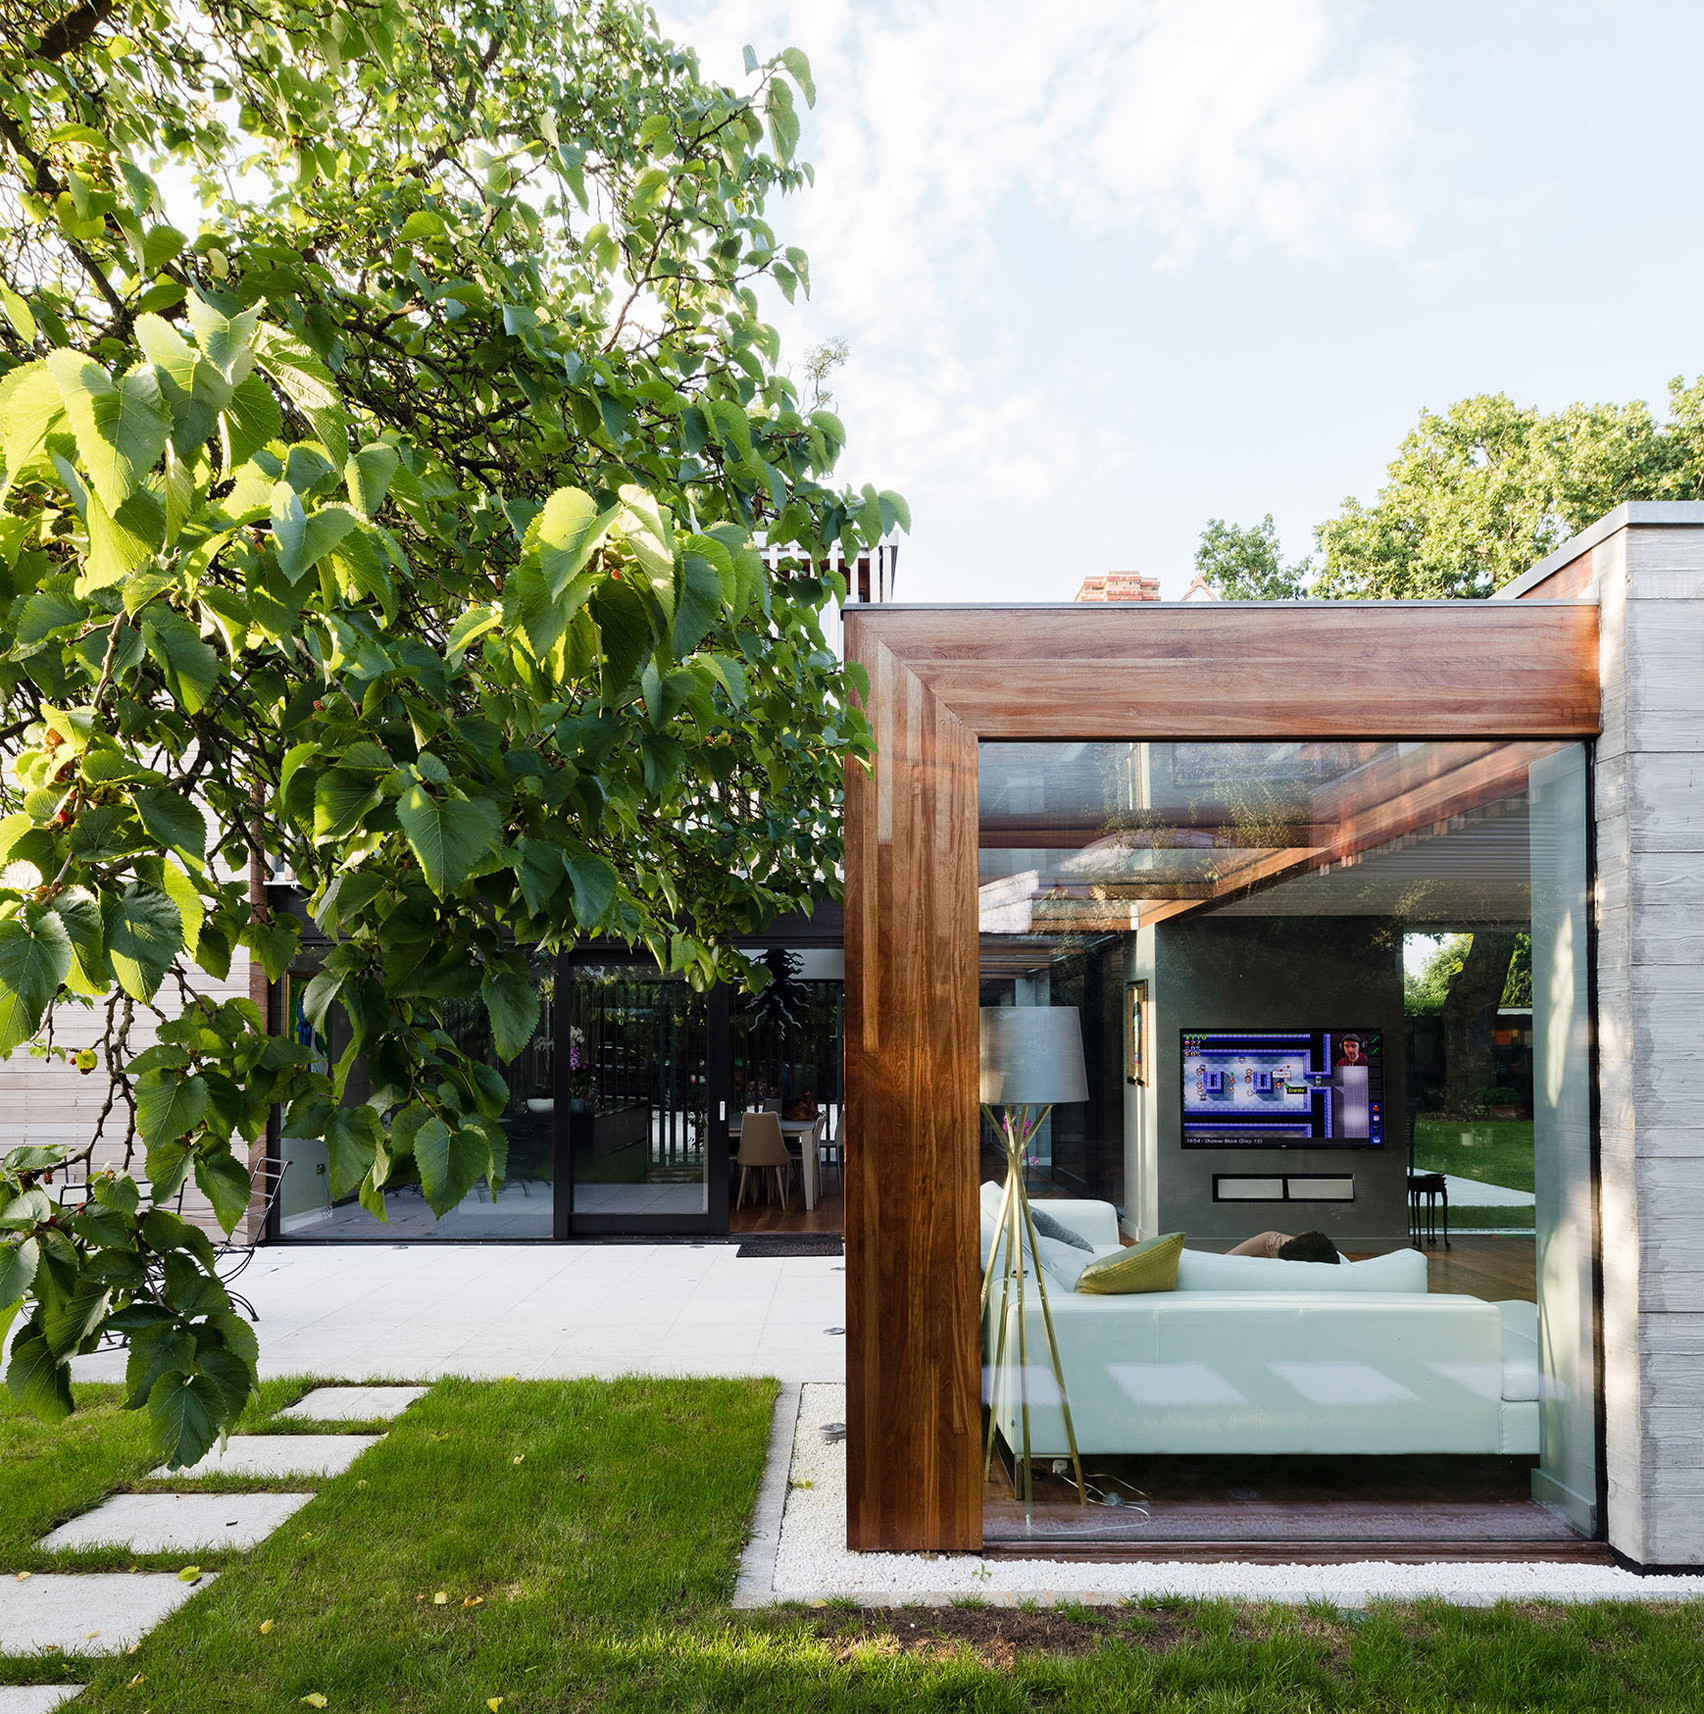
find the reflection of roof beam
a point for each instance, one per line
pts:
(1392, 800)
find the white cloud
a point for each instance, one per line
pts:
(969, 157)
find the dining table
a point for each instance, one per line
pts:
(808, 1134)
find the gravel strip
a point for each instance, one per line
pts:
(813, 1563)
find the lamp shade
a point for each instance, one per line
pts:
(1032, 1056)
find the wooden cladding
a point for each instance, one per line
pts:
(1249, 670)
(913, 1383)
(940, 680)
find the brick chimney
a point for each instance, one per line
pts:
(1119, 586)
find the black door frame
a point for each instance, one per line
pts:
(565, 1222)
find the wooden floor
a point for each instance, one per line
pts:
(772, 1217)
(1495, 1269)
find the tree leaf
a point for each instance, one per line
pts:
(624, 631)
(307, 384)
(594, 879)
(121, 428)
(511, 1003)
(186, 1411)
(700, 604)
(447, 835)
(368, 475)
(144, 933)
(23, 324)
(570, 530)
(169, 1105)
(176, 821)
(35, 957)
(18, 1264)
(432, 1155)
(225, 340)
(81, 914)
(37, 1379)
(352, 1135)
(225, 1182)
(190, 666)
(249, 421)
(31, 409)
(303, 540)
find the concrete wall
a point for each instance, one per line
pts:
(1266, 973)
(1646, 563)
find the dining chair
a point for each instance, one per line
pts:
(762, 1148)
(833, 1148)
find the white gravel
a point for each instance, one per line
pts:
(813, 1562)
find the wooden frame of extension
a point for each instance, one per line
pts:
(943, 678)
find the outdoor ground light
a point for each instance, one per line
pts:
(1032, 1062)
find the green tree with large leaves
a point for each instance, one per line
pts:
(387, 413)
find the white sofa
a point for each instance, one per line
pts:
(1257, 1356)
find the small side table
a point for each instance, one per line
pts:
(1435, 1190)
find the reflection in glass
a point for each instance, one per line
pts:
(1367, 962)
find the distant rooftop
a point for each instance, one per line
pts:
(1119, 586)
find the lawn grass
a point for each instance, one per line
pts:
(1491, 1151)
(1467, 1217)
(595, 1573)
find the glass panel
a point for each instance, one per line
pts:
(787, 1043)
(522, 1207)
(1292, 987)
(639, 1092)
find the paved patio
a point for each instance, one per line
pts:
(417, 1311)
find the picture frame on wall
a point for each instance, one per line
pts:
(1136, 1032)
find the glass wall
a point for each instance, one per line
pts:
(638, 1079)
(523, 1205)
(1323, 987)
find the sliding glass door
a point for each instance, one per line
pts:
(641, 1103)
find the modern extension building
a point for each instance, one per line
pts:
(1200, 837)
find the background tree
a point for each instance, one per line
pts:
(1464, 981)
(1246, 564)
(1479, 494)
(386, 411)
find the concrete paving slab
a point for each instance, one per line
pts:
(278, 1455)
(35, 1698)
(174, 1523)
(354, 1404)
(59, 1609)
(1470, 1193)
(415, 1322)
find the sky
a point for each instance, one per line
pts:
(1111, 269)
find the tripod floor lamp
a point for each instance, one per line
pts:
(1032, 1062)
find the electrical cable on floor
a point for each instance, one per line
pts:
(1133, 1499)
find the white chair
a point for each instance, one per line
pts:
(834, 1148)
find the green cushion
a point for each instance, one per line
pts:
(1148, 1266)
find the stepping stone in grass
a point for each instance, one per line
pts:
(35, 1698)
(177, 1523)
(277, 1455)
(58, 1610)
(353, 1404)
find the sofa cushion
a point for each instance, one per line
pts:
(1148, 1266)
(1047, 1227)
(1201, 1270)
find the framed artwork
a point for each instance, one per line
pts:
(1136, 1032)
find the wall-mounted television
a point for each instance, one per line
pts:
(1283, 1089)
